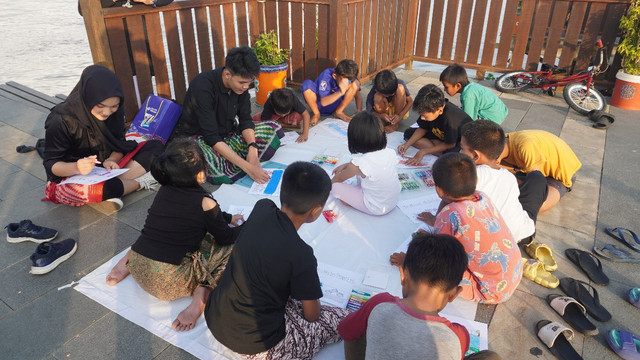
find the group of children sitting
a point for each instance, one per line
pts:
(256, 280)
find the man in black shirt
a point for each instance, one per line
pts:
(267, 300)
(217, 111)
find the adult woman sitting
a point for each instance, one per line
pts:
(86, 130)
(217, 113)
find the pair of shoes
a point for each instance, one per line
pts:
(588, 263)
(25, 230)
(147, 181)
(542, 253)
(624, 343)
(534, 271)
(556, 336)
(49, 255)
(573, 313)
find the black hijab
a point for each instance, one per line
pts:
(96, 84)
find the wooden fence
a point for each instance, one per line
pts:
(161, 50)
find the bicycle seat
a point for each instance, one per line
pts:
(554, 69)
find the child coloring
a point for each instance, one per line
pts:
(186, 240)
(389, 99)
(378, 186)
(284, 107)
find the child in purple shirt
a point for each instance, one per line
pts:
(332, 91)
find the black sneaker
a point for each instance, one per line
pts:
(49, 255)
(28, 231)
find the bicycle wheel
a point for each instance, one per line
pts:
(514, 81)
(575, 94)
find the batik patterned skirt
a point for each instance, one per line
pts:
(223, 171)
(168, 282)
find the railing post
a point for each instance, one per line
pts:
(96, 33)
(336, 33)
(412, 27)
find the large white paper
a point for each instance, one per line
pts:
(289, 137)
(405, 245)
(414, 206)
(97, 175)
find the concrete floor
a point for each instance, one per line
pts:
(38, 321)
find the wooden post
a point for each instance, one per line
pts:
(336, 31)
(412, 27)
(96, 33)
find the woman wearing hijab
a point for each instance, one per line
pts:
(87, 130)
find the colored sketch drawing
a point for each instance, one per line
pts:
(271, 187)
(478, 333)
(97, 175)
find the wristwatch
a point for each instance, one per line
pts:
(254, 145)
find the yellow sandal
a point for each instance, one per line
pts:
(534, 271)
(542, 253)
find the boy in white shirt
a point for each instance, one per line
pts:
(483, 141)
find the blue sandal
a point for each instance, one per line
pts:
(615, 253)
(617, 233)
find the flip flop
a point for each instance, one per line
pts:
(534, 271)
(615, 253)
(556, 336)
(581, 291)
(542, 253)
(588, 263)
(617, 233)
(624, 343)
(573, 313)
(634, 297)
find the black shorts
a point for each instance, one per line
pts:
(558, 185)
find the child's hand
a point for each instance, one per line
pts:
(302, 138)
(343, 85)
(397, 259)
(394, 119)
(402, 149)
(110, 165)
(258, 174)
(339, 169)
(237, 220)
(427, 218)
(416, 160)
(85, 165)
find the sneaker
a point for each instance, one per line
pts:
(147, 181)
(49, 255)
(28, 231)
(116, 202)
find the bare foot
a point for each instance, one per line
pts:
(342, 117)
(118, 272)
(186, 320)
(391, 128)
(314, 119)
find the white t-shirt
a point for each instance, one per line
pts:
(380, 186)
(501, 187)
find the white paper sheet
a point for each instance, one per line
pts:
(405, 245)
(290, 137)
(336, 284)
(271, 187)
(414, 206)
(97, 175)
(376, 279)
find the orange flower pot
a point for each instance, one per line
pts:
(271, 77)
(626, 94)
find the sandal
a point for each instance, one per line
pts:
(634, 297)
(615, 253)
(617, 233)
(542, 253)
(624, 343)
(582, 292)
(534, 271)
(573, 313)
(556, 336)
(588, 263)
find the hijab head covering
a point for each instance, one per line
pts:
(97, 83)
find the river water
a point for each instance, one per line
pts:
(44, 44)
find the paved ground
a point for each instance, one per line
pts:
(38, 321)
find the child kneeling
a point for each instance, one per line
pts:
(378, 186)
(495, 266)
(266, 305)
(186, 239)
(411, 326)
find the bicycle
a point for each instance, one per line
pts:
(578, 92)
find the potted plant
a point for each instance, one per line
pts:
(273, 65)
(626, 94)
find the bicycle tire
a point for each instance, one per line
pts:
(575, 95)
(508, 83)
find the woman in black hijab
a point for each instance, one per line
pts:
(86, 130)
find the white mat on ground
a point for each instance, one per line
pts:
(354, 242)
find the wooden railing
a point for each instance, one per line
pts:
(161, 50)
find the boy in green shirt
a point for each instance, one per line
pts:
(477, 101)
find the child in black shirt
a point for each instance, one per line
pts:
(439, 125)
(285, 108)
(266, 304)
(186, 239)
